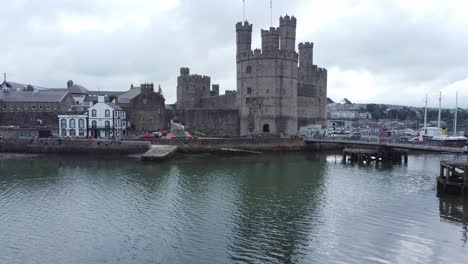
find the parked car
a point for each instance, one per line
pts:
(157, 134)
(147, 136)
(416, 139)
(355, 135)
(163, 132)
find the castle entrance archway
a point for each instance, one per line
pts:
(266, 128)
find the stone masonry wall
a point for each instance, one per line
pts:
(73, 146)
(257, 144)
(226, 101)
(213, 122)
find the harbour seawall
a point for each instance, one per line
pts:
(73, 146)
(258, 144)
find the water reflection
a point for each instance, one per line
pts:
(208, 209)
(275, 214)
(454, 209)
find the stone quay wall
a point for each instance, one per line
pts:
(73, 146)
(257, 144)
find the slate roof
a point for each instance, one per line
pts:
(114, 106)
(91, 98)
(77, 89)
(126, 97)
(18, 86)
(46, 96)
(109, 93)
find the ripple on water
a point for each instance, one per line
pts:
(269, 209)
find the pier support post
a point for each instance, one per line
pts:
(465, 179)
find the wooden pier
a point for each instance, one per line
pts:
(369, 155)
(453, 177)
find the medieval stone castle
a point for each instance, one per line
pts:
(278, 89)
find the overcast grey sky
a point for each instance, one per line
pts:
(375, 50)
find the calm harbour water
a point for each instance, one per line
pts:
(294, 208)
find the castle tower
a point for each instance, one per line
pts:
(306, 53)
(312, 88)
(287, 31)
(244, 36)
(267, 83)
(215, 90)
(270, 39)
(191, 88)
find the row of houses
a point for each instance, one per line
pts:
(102, 120)
(75, 111)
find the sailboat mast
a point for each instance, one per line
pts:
(425, 114)
(440, 109)
(456, 116)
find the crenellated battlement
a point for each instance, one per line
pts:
(245, 26)
(267, 54)
(184, 71)
(315, 68)
(269, 32)
(230, 93)
(288, 21)
(305, 45)
(198, 78)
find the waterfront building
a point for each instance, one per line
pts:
(73, 125)
(26, 105)
(102, 120)
(145, 108)
(106, 120)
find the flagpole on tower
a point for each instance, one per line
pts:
(243, 10)
(271, 12)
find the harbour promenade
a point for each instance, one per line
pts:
(335, 144)
(203, 145)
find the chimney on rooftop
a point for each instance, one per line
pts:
(69, 83)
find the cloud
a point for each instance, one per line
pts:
(376, 51)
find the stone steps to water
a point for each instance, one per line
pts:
(157, 152)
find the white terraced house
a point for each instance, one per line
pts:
(106, 120)
(102, 120)
(73, 125)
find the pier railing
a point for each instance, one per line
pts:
(380, 143)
